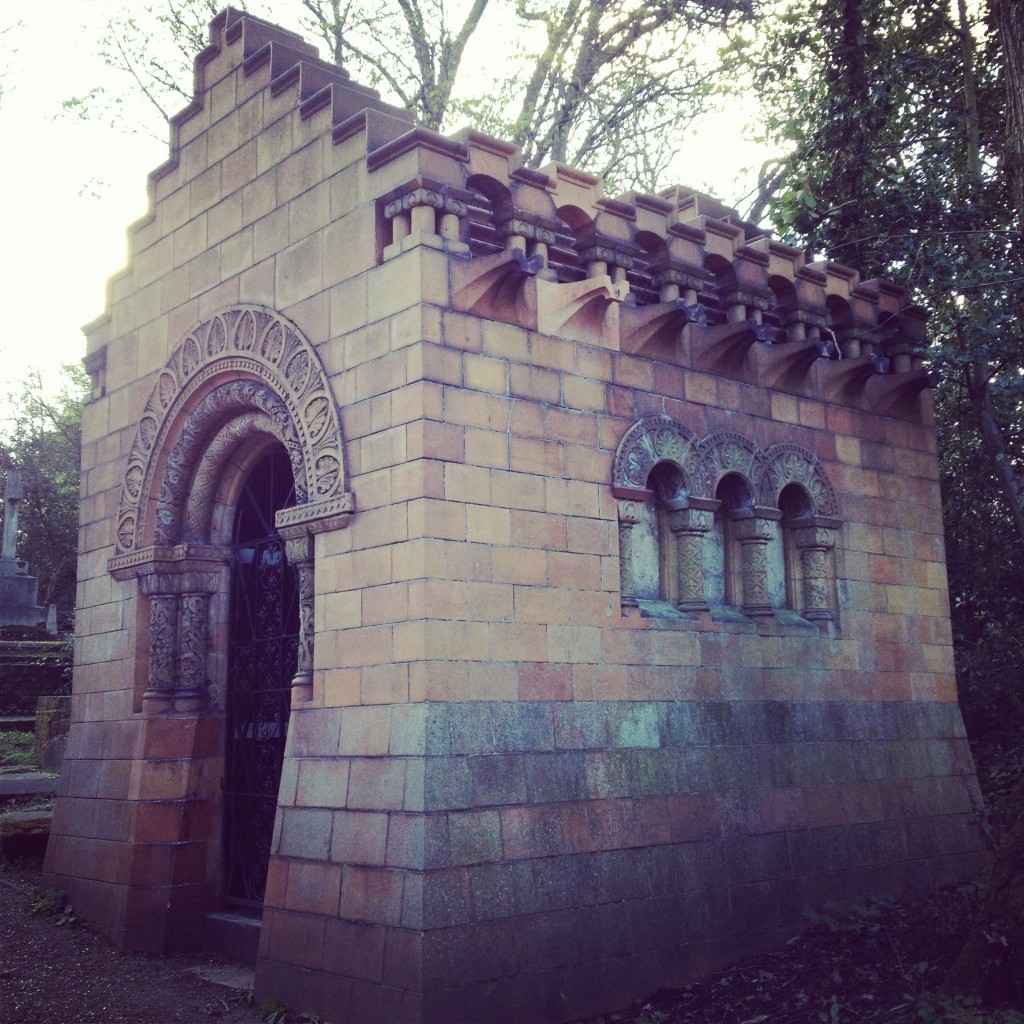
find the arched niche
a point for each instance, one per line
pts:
(804, 551)
(658, 474)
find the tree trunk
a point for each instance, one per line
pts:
(991, 964)
(1011, 36)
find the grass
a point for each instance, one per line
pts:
(18, 749)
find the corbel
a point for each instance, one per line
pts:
(495, 286)
(722, 348)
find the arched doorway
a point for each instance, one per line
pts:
(263, 646)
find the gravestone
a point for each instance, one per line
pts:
(18, 590)
(512, 598)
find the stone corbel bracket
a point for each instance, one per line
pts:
(787, 366)
(298, 527)
(495, 286)
(655, 330)
(585, 311)
(847, 379)
(722, 348)
(895, 393)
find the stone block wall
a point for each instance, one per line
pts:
(624, 634)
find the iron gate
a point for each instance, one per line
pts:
(262, 657)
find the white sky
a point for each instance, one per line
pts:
(71, 188)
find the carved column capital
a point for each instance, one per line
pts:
(823, 537)
(754, 530)
(690, 520)
(529, 226)
(674, 280)
(629, 512)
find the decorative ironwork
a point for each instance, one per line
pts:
(262, 658)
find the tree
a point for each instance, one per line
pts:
(42, 438)
(899, 164)
(612, 83)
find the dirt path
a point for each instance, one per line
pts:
(52, 973)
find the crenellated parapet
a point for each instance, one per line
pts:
(677, 277)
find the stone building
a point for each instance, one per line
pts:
(511, 598)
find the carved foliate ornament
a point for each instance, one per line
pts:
(690, 520)
(435, 198)
(754, 530)
(527, 225)
(248, 360)
(787, 464)
(657, 439)
(821, 537)
(728, 452)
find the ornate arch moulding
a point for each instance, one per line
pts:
(244, 374)
(244, 359)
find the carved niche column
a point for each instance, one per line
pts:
(629, 519)
(688, 526)
(298, 527)
(754, 531)
(814, 544)
(163, 642)
(193, 689)
(299, 546)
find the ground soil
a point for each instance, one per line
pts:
(53, 971)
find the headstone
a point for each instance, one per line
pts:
(18, 590)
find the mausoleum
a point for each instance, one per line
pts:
(500, 598)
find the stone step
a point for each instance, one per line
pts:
(234, 935)
(24, 833)
(25, 783)
(18, 723)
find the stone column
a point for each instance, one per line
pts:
(688, 526)
(163, 642)
(299, 546)
(814, 543)
(178, 582)
(629, 517)
(754, 533)
(192, 689)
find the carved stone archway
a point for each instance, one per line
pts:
(813, 535)
(786, 464)
(649, 443)
(246, 372)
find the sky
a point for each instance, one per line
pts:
(71, 187)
